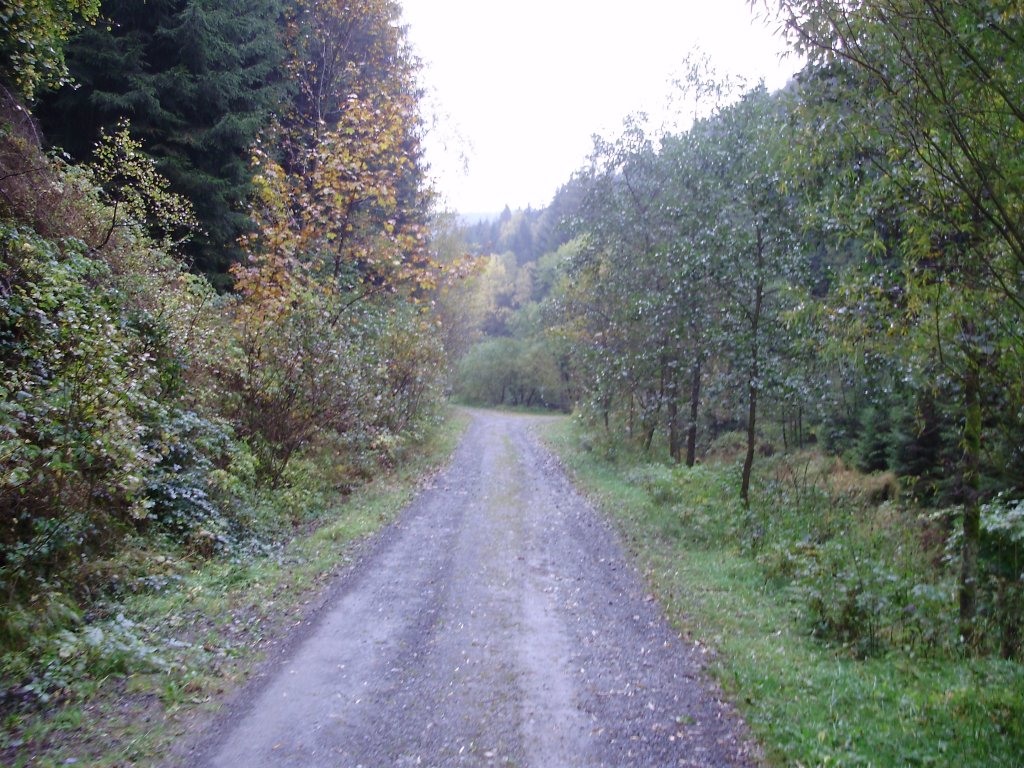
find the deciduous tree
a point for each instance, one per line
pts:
(942, 85)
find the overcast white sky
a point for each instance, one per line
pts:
(518, 88)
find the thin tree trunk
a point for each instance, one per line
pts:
(675, 447)
(748, 461)
(972, 507)
(691, 430)
(649, 438)
(675, 443)
(754, 372)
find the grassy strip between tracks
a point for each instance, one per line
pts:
(203, 628)
(809, 703)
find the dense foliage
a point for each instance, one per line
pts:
(35, 33)
(943, 86)
(835, 266)
(144, 416)
(498, 322)
(199, 81)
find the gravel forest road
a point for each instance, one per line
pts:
(497, 623)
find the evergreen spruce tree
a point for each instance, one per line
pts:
(874, 444)
(917, 442)
(198, 79)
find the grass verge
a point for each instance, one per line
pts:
(809, 703)
(162, 660)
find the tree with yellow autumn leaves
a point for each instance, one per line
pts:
(338, 255)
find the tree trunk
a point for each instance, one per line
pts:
(748, 461)
(675, 443)
(675, 447)
(754, 372)
(649, 438)
(691, 430)
(972, 507)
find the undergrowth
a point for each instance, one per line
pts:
(831, 609)
(116, 685)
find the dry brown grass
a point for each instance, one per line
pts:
(830, 473)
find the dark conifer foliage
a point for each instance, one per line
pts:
(198, 80)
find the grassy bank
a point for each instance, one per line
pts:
(128, 681)
(905, 698)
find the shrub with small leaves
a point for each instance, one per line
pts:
(180, 495)
(862, 601)
(1001, 572)
(79, 386)
(32, 46)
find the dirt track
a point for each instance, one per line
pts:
(496, 624)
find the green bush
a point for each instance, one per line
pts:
(1002, 522)
(1001, 571)
(659, 480)
(508, 371)
(181, 496)
(297, 380)
(79, 391)
(860, 601)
